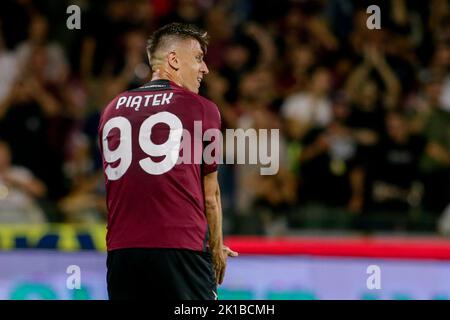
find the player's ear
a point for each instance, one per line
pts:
(173, 60)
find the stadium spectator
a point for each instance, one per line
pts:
(329, 158)
(396, 189)
(85, 202)
(29, 122)
(433, 122)
(52, 66)
(8, 66)
(19, 192)
(312, 107)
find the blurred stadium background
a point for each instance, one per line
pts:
(364, 119)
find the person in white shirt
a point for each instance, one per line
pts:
(19, 190)
(312, 107)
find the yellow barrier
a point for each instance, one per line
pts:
(63, 237)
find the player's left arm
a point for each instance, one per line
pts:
(214, 218)
(213, 210)
(226, 250)
(213, 205)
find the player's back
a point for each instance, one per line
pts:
(152, 200)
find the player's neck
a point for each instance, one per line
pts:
(164, 75)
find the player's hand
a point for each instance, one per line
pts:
(229, 253)
(220, 264)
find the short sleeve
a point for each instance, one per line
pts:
(22, 174)
(211, 133)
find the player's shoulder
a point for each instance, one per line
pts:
(204, 102)
(209, 107)
(110, 106)
(114, 100)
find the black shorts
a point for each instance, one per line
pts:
(160, 274)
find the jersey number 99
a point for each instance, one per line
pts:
(170, 149)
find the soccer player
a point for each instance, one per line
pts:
(164, 236)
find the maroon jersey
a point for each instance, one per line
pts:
(153, 200)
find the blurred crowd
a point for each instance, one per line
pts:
(364, 114)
